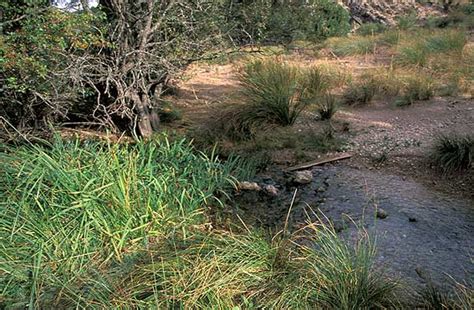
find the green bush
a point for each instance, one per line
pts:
(271, 21)
(453, 152)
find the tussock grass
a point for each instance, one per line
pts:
(362, 91)
(446, 41)
(414, 54)
(460, 297)
(416, 88)
(273, 94)
(371, 29)
(328, 273)
(327, 107)
(356, 45)
(453, 153)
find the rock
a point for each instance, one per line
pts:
(249, 186)
(303, 177)
(381, 213)
(338, 226)
(270, 190)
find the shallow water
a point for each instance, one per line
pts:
(425, 232)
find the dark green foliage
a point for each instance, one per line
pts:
(270, 21)
(453, 152)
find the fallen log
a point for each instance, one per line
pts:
(320, 162)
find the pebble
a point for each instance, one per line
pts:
(249, 186)
(303, 177)
(271, 190)
(381, 213)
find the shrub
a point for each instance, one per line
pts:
(416, 88)
(327, 107)
(453, 152)
(371, 29)
(272, 21)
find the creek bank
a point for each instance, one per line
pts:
(416, 228)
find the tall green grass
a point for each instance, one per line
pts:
(70, 209)
(91, 225)
(273, 94)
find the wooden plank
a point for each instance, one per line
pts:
(320, 162)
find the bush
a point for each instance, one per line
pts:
(453, 152)
(271, 21)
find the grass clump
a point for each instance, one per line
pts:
(332, 275)
(362, 91)
(273, 94)
(327, 107)
(92, 225)
(371, 29)
(446, 41)
(416, 88)
(453, 153)
(414, 54)
(460, 297)
(356, 45)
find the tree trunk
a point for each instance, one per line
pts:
(142, 105)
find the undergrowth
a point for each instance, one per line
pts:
(92, 225)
